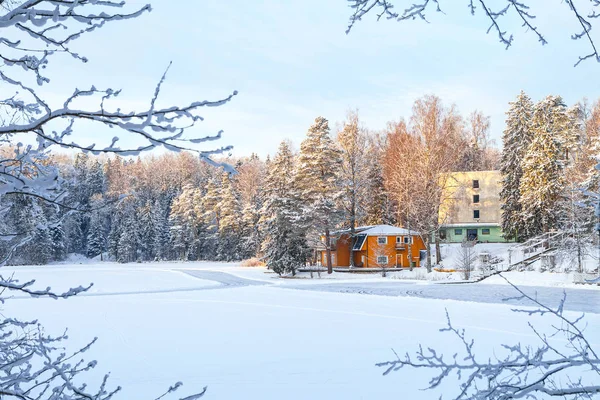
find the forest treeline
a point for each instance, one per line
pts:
(175, 207)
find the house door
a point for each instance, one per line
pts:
(398, 260)
(471, 234)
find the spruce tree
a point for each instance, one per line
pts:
(160, 220)
(516, 139)
(284, 244)
(39, 250)
(542, 182)
(211, 217)
(57, 236)
(317, 179)
(183, 223)
(96, 239)
(128, 244)
(229, 222)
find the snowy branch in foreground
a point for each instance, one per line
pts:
(32, 363)
(524, 372)
(34, 366)
(32, 31)
(418, 10)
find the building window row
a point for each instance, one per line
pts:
(459, 232)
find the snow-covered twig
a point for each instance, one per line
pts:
(32, 365)
(524, 371)
(520, 7)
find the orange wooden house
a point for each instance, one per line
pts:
(376, 246)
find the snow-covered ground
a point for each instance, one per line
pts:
(246, 334)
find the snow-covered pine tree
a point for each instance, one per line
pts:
(211, 217)
(57, 236)
(160, 218)
(96, 242)
(516, 139)
(95, 180)
(183, 222)
(27, 220)
(114, 234)
(128, 244)
(96, 239)
(249, 183)
(284, 245)
(542, 182)
(73, 232)
(317, 179)
(250, 232)
(39, 250)
(229, 231)
(146, 229)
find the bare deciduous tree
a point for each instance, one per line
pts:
(416, 162)
(467, 259)
(352, 141)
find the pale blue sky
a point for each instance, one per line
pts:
(292, 61)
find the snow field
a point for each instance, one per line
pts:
(267, 341)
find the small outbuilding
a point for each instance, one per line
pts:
(379, 246)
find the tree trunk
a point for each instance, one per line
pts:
(328, 250)
(438, 250)
(428, 246)
(409, 248)
(352, 231)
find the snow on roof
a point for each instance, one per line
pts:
(384, 230)
(377, 230)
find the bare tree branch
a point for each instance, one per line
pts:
(418, 10)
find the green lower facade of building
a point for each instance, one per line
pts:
(483, 233)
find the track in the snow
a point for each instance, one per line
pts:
(581, 300)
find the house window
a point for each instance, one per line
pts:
(398, 239)
(475, 184)
(442, 234)
(476, 214)
(408, 239)
(382, 240)
(458, 232)
(485, 231)
(475, 198)
(382, 260)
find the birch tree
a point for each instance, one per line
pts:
(352, 142)
(418, 158)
